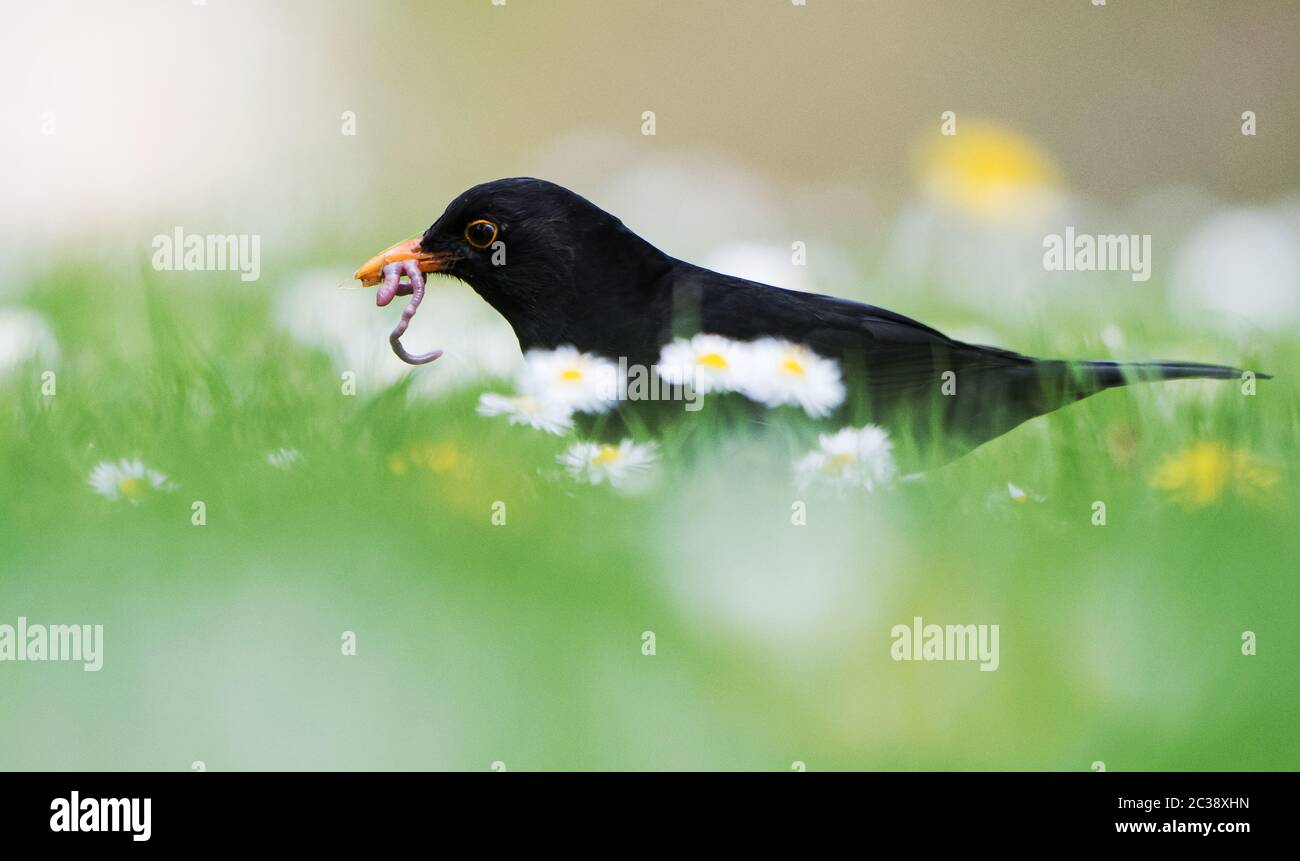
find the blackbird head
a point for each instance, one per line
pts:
(550, 261)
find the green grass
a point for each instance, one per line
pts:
(522, 643)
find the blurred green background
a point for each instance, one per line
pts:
(522, 643)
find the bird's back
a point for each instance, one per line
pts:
(900, 372)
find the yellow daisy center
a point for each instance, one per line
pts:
(442, 457)
(570, 375)
(397, 464)
(987, 170)
(607, 454)
(793, 366)
(132, 488)
(837, 463)
(712, 360)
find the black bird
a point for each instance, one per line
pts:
(563, 271)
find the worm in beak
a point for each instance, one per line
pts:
(386, 269)
(392, 286)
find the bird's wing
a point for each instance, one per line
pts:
(897, 353)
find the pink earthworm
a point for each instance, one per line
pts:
(391, 287)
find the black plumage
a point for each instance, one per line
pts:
(563, 271)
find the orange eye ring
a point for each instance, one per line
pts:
(470, 231)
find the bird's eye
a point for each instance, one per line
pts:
(480, 233)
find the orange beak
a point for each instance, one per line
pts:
(372, 272)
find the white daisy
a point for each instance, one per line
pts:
(24, 335)
(1020, 495)
(1238, 271)
(1112, 336)
(780, 372)
(283, 458)
(625, 466)
(129, 479)
(568, 378)
(553, 418)
(710, 363)
(855, 457)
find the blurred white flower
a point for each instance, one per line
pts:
(852, 457)
(986, 198)
(344, 322)
(129, 479)
(553, 418)
(710, 363)
(24, 335)
(996, 500)
(764, 262)
(1020, 495)
(688, 202)
(735, 565)
(1239, 269)
(1113, 337)
(565, 377)
(780, 372)
(283, 458)
(625, 466)
(979, 264)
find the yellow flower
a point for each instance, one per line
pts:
(435, 457)
(1200, 475)
(450, 472)
(987, 171)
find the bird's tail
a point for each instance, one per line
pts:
(1098, 375)
(1009, 388)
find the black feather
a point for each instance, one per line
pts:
(574, 274)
